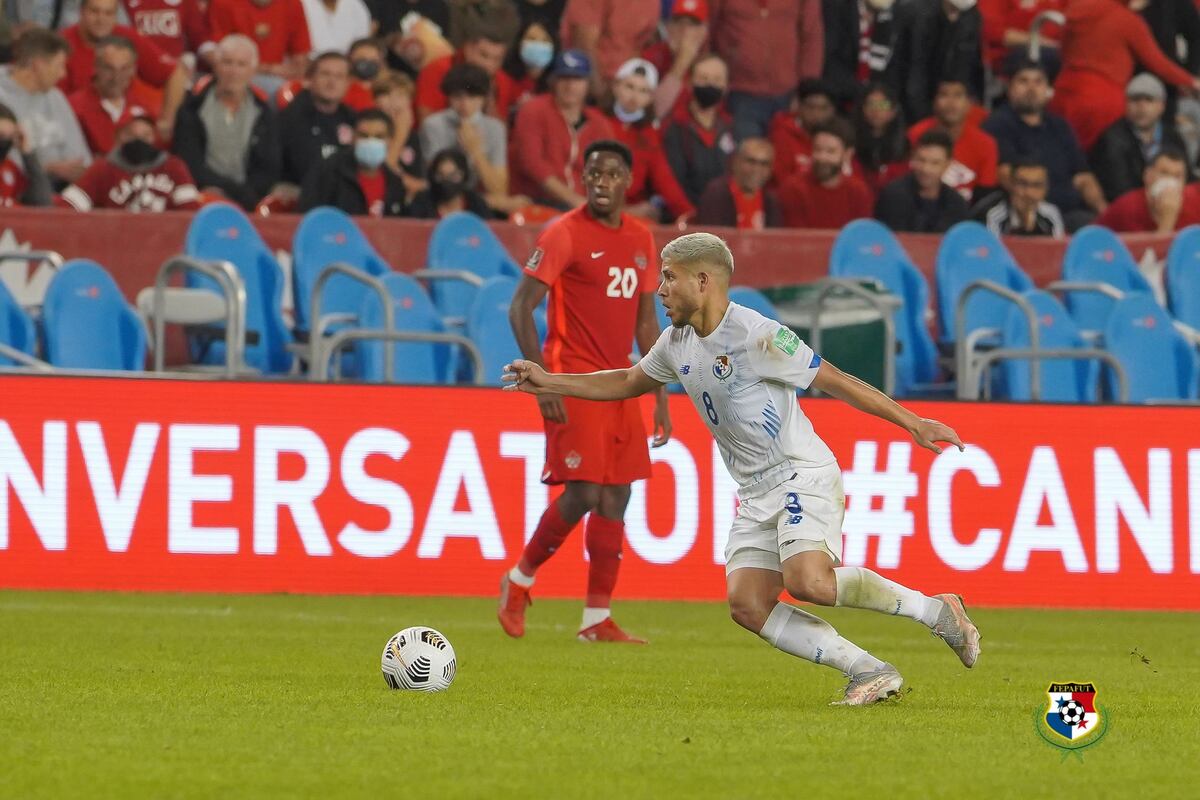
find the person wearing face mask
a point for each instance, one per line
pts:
(336, 24)
(1165, 204)
(699, 140)
(943, 42)
(652, 185)
(368, 63)
(22, 181)
(527, 64)
(449, 189)
(136, 176)
(316, 124)
(861, 37)
(358, 180)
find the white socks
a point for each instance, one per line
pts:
(520, 578)
(813, 639)
(594, 616)
(858, 587)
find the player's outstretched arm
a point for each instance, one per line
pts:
(612, 384)
(849, 389)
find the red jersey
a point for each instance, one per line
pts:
(793, 147)
(808, 204)
(651, 173)
(167, 187)
(429, 97)
(176, 26)
(749, 210)
(279, 29)
(974, 159)
(154, 67)
(12, 182)
(1130, 213)
(596, 276)
(374, 187)
(99, 127)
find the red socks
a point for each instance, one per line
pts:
(551, 531)
(604, 539)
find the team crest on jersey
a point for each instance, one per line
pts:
(535, 260)
(640, 260)
(573, 460)
(722, 368)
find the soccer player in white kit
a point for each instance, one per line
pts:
(741, 371)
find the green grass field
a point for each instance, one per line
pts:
(115, 695)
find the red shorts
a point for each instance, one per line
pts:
(601, 442)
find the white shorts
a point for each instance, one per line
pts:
(803, 513)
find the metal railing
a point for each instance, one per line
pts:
(345, 337)
(462, 275)
(1059, 353)
(884, 304)
(964, 344)
(321, 324)
(234, 293)
(1035, 31)
(24, 359)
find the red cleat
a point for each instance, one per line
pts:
(608, 631)
(511, 613)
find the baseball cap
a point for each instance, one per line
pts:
(696, 9)
(636, 66)
(571, 64)
(1146, 85)
(132, 114)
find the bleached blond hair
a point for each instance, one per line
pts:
(699, 247)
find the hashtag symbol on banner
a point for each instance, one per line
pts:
(892, 521)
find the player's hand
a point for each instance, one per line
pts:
(662, 422)
(552, 408)
(928, 432)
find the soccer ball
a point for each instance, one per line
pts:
(419, 659)
(1071, 713)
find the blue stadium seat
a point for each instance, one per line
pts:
(1062, 380)
(867, 249)
(754, 300)
(1097, 255)
(325, 236)
(414, 362)
(969, 252)
(223, 232)
(16, 328)
(464, 241)
(87, 322)
(1159, 362)
(489, 328)
(1183, 276)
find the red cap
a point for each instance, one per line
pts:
(697, 9)
(134, 112)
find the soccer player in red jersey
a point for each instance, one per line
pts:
(599, 266)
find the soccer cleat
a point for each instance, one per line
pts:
(871, 687)
(511, 613)
(955, 628)
(608, 631)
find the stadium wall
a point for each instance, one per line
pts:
(170, 485)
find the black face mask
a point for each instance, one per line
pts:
(365, 70)
(137, 152)
(707, 96)
(443, 191)
(5, 146)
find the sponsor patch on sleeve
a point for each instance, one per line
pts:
(535, 260)
(786, 340)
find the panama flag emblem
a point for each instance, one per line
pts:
(1072, 716)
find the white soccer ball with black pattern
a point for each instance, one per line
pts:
(419, 659)
(1071, 713)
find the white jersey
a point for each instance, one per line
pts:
(742, 378)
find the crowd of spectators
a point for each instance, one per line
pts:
(747, 113)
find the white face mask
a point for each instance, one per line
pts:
(880, 5)
(963, 5)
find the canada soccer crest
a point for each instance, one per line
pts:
(722, 368)
(1072, 719)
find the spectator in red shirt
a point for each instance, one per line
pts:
(609, 32)
(1166, 203)
(551, 133)
(111, 95)
(485, 45)
(881, 147)
(699, 137)
(22, 181)
(98, 20)
(178, 27)
(770, 45)
(673, 57)
(790, 130)
(826, 197)
(743, 200)
(359, 180)
(278, 27)
(135, 176)
(652, 185)
(972, 171)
